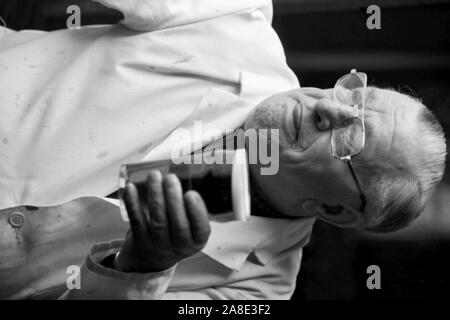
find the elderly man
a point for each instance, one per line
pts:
(77, 104)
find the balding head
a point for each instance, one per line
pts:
(401, 178)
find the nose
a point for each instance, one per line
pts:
(331, 114)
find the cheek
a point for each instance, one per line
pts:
(320, 176)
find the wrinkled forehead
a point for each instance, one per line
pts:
(391, 120)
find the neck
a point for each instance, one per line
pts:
(261, 208)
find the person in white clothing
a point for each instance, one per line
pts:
(76, 104)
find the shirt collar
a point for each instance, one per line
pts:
(231, 243)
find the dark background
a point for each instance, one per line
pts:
(323, 40)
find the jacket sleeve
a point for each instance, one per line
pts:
(99, 282)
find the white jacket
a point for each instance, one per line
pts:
(76, 104)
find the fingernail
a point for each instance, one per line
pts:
(128, 189)
(171, 180)
(154, 175)
(129, 185)
(192, 197)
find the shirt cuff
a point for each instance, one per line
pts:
(99, 282)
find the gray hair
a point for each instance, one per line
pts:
(395, 199)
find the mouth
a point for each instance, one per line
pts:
(296, 116)
(292, 122)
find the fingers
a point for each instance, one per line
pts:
(155, 200)
(137, 219)
(179, 223)
(158, 221)
(175, 221)
(198, 217)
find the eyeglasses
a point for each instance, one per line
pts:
(348, 140)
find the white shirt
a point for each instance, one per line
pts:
(77, 104)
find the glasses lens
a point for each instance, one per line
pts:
(349, 140)
(349, 89)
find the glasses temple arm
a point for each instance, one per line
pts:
(361, 194)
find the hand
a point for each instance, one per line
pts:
(165, 231)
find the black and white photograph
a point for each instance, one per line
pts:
(224, 150)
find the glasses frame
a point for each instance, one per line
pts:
(360, 115)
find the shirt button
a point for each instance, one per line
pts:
(16, 219)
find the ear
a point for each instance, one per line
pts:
(337, 215)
